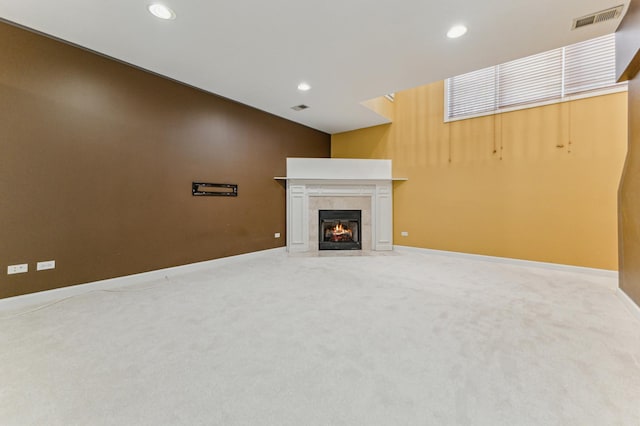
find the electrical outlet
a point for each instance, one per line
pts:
(276, 235)
(404, 233)
(43, 266)
(18, 269)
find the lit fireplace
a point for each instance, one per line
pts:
(340, 230)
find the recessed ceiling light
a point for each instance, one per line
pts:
(161, 11)
(457, 31)
(303, 87)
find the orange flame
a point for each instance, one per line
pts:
(341, 233)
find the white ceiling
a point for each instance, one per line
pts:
(256, 52)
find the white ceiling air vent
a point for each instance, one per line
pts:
(594, 18)
(299, 107)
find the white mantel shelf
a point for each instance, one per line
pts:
(325, 179)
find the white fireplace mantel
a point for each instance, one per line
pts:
(328, 183)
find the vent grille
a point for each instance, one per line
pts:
(584, 21)
(299, 107)
(597, 17)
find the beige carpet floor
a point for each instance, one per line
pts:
(406, 339)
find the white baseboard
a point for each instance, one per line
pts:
(42, 297)
(28, 300)
(630, 304)
(509, 261)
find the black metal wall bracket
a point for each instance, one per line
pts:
(207, 189)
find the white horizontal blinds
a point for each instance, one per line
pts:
(532, 79)
(553, 75)
(590, 65)
(472, 93)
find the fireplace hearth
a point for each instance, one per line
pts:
(340, 230)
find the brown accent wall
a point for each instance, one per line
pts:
(97, 160)
(628, 64)
(630, 202)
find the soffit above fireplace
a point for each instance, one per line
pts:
(347, 169)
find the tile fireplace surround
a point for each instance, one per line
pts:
(339, 184)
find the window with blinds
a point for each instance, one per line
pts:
(582, 69)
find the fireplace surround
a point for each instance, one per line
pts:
(315, 184)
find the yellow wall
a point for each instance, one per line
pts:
(537, 184)
(382, 106)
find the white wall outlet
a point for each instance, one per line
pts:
(43, 266)
(276, 235)
(404, 233)
(18, 269)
